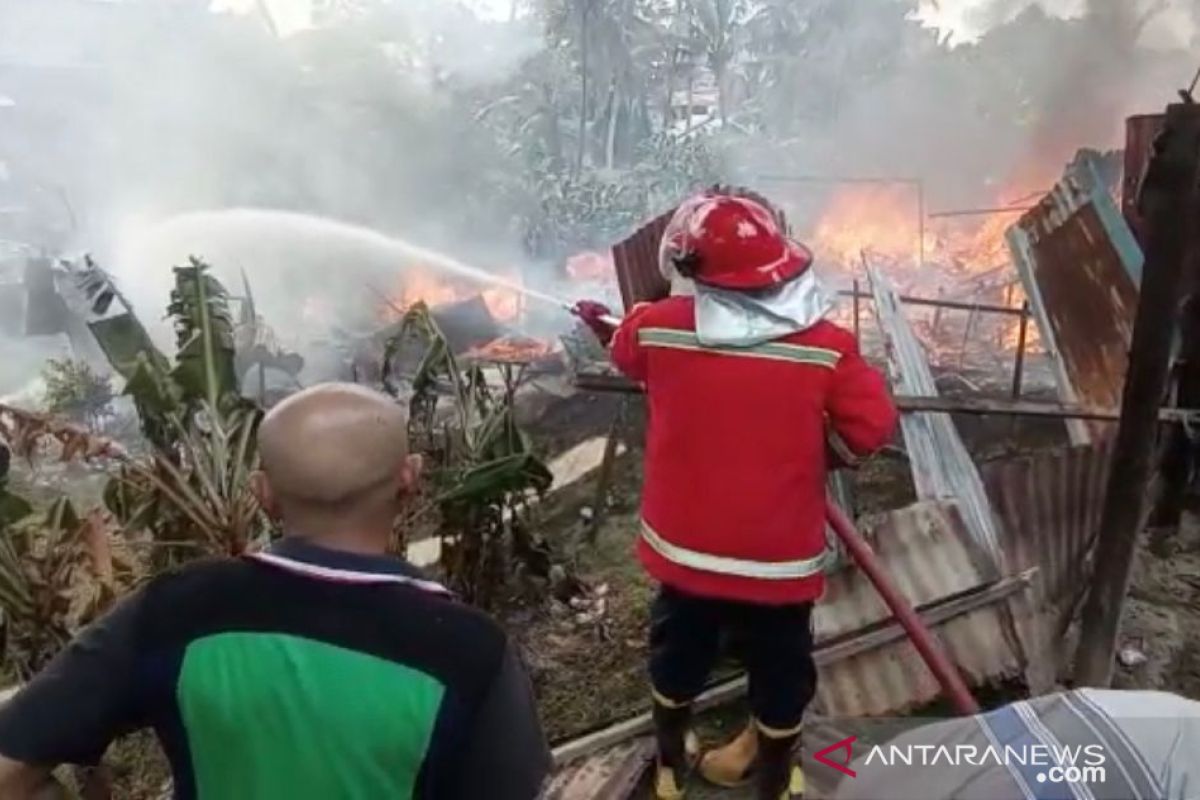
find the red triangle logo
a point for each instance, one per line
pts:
(841, 766)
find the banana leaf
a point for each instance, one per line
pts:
(516, 473)
(125, 342)
(204, 336)
(12, 507)
(155, 397)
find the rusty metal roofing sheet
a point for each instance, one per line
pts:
(942, 468)
(929, 555)
(636, 260)
(1080, 266)
(1050, 503)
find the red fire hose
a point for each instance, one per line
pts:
(930, 649)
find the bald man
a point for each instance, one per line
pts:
(319, 669)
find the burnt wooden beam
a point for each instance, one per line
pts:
(975, 406)
(1168, 199)
(1026, 408)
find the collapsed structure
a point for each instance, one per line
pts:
(996, 557)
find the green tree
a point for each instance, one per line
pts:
(76, 391)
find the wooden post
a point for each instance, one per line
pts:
(604, 481)
(1019, 365)
(937, 316)
(1175, 462)
(1168, 200)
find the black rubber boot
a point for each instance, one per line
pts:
(779, 775)
(677, 749)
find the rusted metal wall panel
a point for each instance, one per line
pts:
(1081, 266)
(1050, 505)
(942, 468)
(636, 261)
(928, 553)
(1140, 132)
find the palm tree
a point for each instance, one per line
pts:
(718, 30)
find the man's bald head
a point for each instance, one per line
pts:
(333, 453)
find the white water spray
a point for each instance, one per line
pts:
(295, 263)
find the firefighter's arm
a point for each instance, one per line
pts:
(860, 415)
(627, 352)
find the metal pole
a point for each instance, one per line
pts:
(1168, 197)
(921, 224)
(1019, 366)
(910, 300)
(937, 316)
(857, 329)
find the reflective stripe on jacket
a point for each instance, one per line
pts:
(733, 502)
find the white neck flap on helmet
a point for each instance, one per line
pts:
(743, 319)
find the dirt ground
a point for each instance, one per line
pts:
(1160, 635)
(587, 655)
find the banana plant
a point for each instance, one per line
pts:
(483, 475)
(193, 488)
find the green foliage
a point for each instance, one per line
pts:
(76, 391)
(192, 490)
(204, 338)
(13, 507)
(482, 475)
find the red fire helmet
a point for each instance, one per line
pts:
(730, 242)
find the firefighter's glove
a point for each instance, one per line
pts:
(592, 314)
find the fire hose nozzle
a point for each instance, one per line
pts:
(607, 319)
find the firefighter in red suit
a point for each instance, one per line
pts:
(752, 396)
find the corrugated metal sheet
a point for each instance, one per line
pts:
(1050, 504)
(942, 468)
(636, 261)
(1140, 132)
(929, 555)
(931, 558)
(1080, 266)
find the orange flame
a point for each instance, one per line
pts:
(511, 350)
(965, 257)
(880, 219)
(434, 289)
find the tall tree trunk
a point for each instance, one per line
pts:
(553, 132)
(614, 111)
(583, 84)
(719, 72)
(720, 56)
(691, 95)
(669, 107)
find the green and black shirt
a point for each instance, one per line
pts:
(299, 673)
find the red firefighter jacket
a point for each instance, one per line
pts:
(736, 453)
